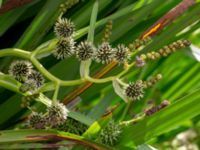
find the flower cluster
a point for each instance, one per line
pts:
(64, 30)
(64, 48)
(135, 90)
(154, 109)
(67, 5)
(166, 50)
(73, 126)
(20, 70)
(111, 134)
(138, 43)
(85, 50)
(152, 81)
(23, 71)
(104, 53)
(27, 100)
(55, 116)
(107, 31)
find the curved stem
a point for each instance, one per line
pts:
(55, 95)
(135, 120)
(45, 49)
(111, 78)
(126, 110)
(71, 82)
(126, 70)
(15, 52)
(121, 82)
(103, 80)
(31, 56)
(43, 70)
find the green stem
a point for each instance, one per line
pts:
(51, 77)
(125, 110)
(133, 120)
(45, 72)
(48, 75)
(85, 65)
(45, 49)
(55, 96)
(121, 82)
(111, 78)
(15, 52)
(125, 71)
(108, 79)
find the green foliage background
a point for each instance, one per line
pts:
(180, 84)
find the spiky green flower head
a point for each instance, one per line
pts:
(64, 48)
(85, 50)
(122, 54)
(36, 121)
(105, 53)
(29, 86)
(64, 28)
(111, 134)
(134, 90)
(73, 126)
(20, 69)
(56, 114)
(37, 76)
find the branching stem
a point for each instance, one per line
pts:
(32, 56)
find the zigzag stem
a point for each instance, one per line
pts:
(32, 56)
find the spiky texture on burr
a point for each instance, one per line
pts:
(64, 28)
(20, 69)
(56, 114)
(105, 53)
(134, 90)
(73, 126)
(85, 50)
(37, 76)
(110, 135)
(121, 53)
(36, 121)
(29, 86)
(64, 48)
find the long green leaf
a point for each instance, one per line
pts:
(11, 136)
(163, 121)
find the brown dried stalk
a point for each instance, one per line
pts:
(12, 4)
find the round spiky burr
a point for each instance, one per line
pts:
(110, 135)
(64, 28)
(29, 86)
(36, 121)
(134, 91)
(105, 53)
(56, 114)
(64, 48)
(73, 126)
(35, 75)
(20, 69)
(85, 50)
(121, 53)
